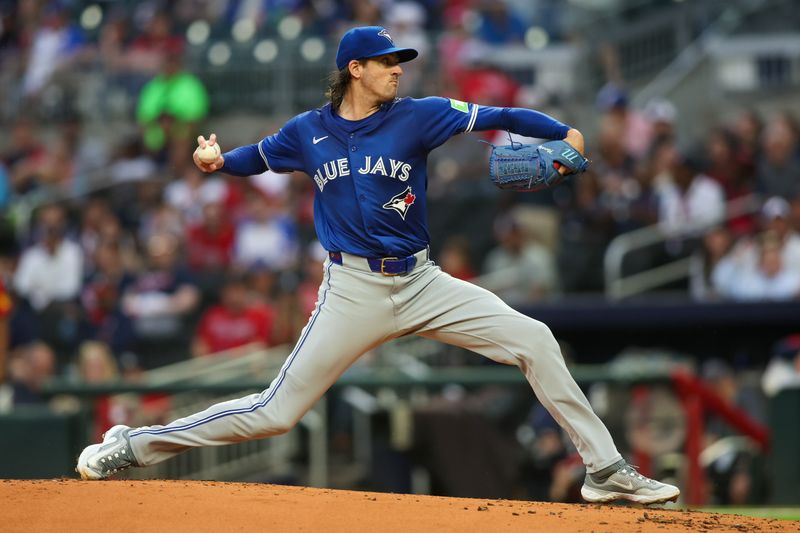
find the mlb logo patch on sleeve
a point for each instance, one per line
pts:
(458, 105)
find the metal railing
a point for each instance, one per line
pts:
(619, 286)
(693, 52)
(273, 456)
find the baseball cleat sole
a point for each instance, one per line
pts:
(603, 496)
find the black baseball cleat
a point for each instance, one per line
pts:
(113, 455)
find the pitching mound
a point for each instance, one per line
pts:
(176, 506)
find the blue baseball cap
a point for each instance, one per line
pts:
(369, 41)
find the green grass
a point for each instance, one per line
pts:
(780, 513)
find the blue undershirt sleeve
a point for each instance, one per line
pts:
(281, 152)
(244, 161)
(525, 122)
(441, 118)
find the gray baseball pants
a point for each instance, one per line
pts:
(358, 310)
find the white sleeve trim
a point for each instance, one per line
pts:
(261, 152)
(472, 118)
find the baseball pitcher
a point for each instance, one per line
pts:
(366, 151)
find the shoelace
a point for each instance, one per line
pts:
(118, 461)
(634, 474)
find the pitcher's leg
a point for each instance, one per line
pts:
(459, 313)
(337, 333)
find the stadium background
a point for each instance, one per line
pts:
(136, 289)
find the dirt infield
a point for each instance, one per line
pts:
(177, 506)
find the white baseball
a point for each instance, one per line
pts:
(209, 154)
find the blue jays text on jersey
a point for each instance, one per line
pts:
(371, 174)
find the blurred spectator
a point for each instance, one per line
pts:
(794, 214)
(769, 262)
(485, 84)
(131, 163)
(161, 219)
(768, 279)
(192, 191)
(158, 300)
(95, 214)
(51, 270)
(101, 299)
(518, 270)
(690, 201)
(169, 108)
(365, 13)
(733, 468)
(313, 271)
(783, 369)
(57, 169)
(209, 243)
(628, 197)
(568, 475)
(662, 116)
(455, 258)
(24, 155)
(748, 128)
(729, 166)
(96, 365)
(234, 323)
(405, 21)
(262, 284)
(779, 167)
(453, 49)
(710, 257)
(776, 214)
(498, 24)
(112, 232)
(89, 154)
(547, 450)
(55, 46)
(30, 367)
(149, 51)
(585, 229)
(268, 236)
(634, 131)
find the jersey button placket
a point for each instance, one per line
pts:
(356, 184)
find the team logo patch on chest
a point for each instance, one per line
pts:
(401, 202)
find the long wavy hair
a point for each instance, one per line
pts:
(338, 82)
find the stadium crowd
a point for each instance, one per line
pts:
(161, 255)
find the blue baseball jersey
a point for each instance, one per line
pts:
(371, 174)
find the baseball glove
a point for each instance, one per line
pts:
(526, 167)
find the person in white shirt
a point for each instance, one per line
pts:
(737, 275)
(519, 270)
(690, 201)
(776, 213)
(51, 270)
(770, 280)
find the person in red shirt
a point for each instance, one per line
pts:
(209, 245)
(234, 324)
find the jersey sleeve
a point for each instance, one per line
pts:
(441, 118)
(282, 152)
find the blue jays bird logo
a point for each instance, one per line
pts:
(384, 33)
(401, 202)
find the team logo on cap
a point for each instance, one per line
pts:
(401, 202)
(384, 33)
